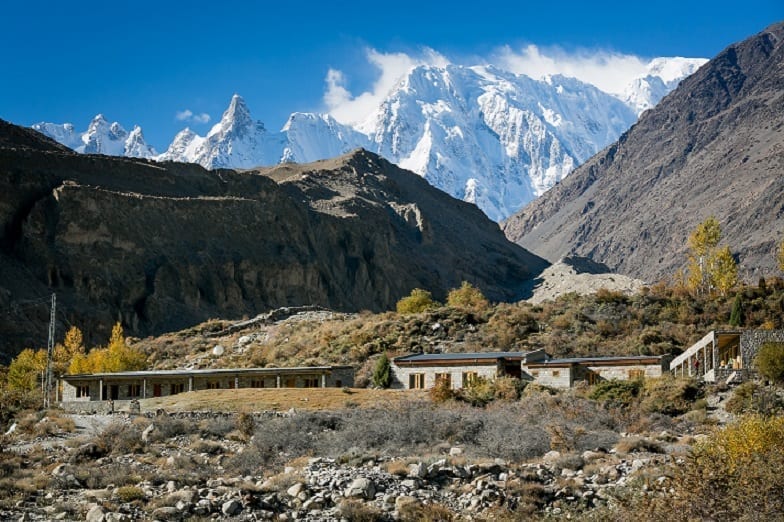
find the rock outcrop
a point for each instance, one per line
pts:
(165, 246)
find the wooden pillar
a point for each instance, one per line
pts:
(100, 389)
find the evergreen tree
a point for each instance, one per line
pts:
(382, 376)
(736, 316)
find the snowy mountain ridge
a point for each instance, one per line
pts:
(479, 133)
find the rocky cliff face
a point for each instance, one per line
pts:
(163, 246)
(712, 147)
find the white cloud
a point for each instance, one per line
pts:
(609, 71)
(348, 108)
(188, 115)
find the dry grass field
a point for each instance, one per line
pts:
(280, 399)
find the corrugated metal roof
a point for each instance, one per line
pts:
(580, 360)
(460, 356)
(202, 372)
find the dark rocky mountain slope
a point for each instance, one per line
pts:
(161, 246)
(714, 146)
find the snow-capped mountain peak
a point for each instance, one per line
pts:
(662, 75)
(480, 133)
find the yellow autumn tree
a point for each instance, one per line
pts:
(723, 270)
(64, 354)
(710, 267)
(467, 297)
(780, 256)
(26, 369)
(117, 356)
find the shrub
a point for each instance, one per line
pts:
(442, 391)
(669, 395)
(358, 511)
(382, 377)
(616, 391)
(246, 424)
(130, 493)
(634, 444)
(770, 361)
(750, 397)
(478, 392)
(416, 302)
(119, 438)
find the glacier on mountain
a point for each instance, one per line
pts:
(481, 134)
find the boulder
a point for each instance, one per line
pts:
(361, 487)
(231, 507)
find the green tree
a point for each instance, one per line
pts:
(25, 369)
(382, 376)
(736, 316)
(770, 361)
(467, 297)
(417, 301)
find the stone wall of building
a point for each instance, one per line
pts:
(752, 340)
(401, 374)
(624, 373)
(556, 377)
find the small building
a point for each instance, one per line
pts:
(565, 373)
(422, 371)
(724, 355)
(82, 389)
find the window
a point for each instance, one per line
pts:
(416, 381)
(83, 390)
(156, 390)
(444, 379)
(311, 382)
(231, 384)
(469, 378)
(177, 388)
(636, 374)
(338, 383)
(213, 385)
(556, 373)
(134, 390)
(257, 383)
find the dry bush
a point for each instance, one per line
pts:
(441, 392)
(130, 494)
(119, 438)
(750, 397)
(217, 427)
(209, 447)
(358, 511)
(168, 427)
(281, 482)
(669, 395)
(396, 467)
(637, 444)
(246, 424)
(416, 512)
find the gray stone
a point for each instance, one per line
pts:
(231, 507)
(455, 451)
(417, 470)
(296, 489)
(361, 487)
(147, 432)
(96, 514)
(166, 513)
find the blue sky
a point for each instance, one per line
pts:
(144, 62)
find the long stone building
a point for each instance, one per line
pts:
(79, 391)
(423, 371)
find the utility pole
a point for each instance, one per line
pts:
(49, 354)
